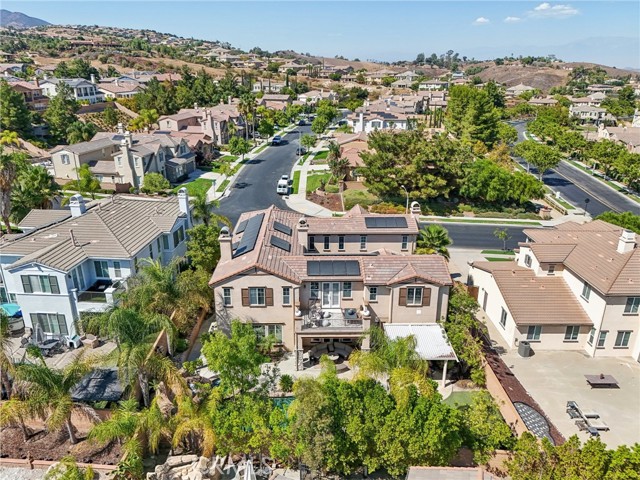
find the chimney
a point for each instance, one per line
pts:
(117, 82)
(229, 98)
(93, 78)
(77, 206)
(195, 106)
(303, 232)
(73, 238)
(226, 250)
(127, 137)
(120, 128)
(626, 242)
(37, 80)
(183, 204)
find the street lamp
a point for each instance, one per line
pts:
(406, 209)
(586, 204)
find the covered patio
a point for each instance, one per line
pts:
(432, 343)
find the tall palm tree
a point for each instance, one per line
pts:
(80, 132)
(202, 210)
(34, 188)
(434, 239)
(337, 163)
(10, 166)
(47, 392)
(194, 423)
(246, 108)
(145, 120)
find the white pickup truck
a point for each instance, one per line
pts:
(283, 185)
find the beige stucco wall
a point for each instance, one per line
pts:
(374, 242)
(75, 160)
(615, 320)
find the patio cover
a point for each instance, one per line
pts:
(431, 340)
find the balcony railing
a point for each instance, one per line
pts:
(331, 318)
(105, 295)
(100, 297)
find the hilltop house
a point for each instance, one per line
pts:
(589, 114)
(121, 160)
(83, 90)
(573, 287)
(78, 260)
(518, 90)
(311, 281)
(33, 96)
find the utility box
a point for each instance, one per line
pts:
(524, 348)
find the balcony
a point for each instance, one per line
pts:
(100, 295)
(330, 319)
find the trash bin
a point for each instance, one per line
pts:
(524, 348)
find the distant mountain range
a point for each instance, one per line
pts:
(19, 20)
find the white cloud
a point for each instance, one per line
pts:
(481, 21)
(512, 19)
(546, 10)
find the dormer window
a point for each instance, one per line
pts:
(551, 269)
(527, 261)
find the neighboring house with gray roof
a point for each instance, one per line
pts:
(83, 90)
(78, 260)
(572, 287)
(279, 270)
(121, 160)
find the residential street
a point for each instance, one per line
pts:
(481, 236)
(255, 186)
(575, 186)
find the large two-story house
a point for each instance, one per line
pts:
(308, 281)
(83, 90)
(573, 287)
(121, 160)
(78, 260)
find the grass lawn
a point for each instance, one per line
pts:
(196, 187)
(497, 252)
(296, 182)
(228, 158)
(461, 398)
(362, 197)
(313, 181)
(490, 222)
(222, 186)
(321, 155)
(498, 259)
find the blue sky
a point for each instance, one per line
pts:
(605, 32)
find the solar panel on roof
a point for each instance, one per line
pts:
(338, 268)
(280, 243)
(250, 235)
(385, 222)
(241, 226)
(281, 227)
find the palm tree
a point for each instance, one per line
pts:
(144, 120)
(6, 361)
(202, 210)
(80, 132)
(68, 469)
(10, 165)
(194, 423)
(7, 137)
(246, 108)
(47, 392)
(34, 188)
(339, 166)
(129, 426)
(434, 239)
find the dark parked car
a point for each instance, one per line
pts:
(302, 123)
(301, 151)
(277, 140)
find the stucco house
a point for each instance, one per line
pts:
(78, 260)
(83, 90)
(572, 287)
(627, 136)
(310, 281)
(518, 90)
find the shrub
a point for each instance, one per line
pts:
(286, 383)
(191, 366)
(387, 207)
(332, 188)
(181, 345)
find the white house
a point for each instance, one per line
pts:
(78, 261)
(83, 90)
(573, 287)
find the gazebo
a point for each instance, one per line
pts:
(432, 343)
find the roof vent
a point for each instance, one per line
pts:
(224, 231)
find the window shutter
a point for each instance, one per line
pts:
(402, 299)
(53, 282)
(245, 297)
(26, 284)
(269, 296)
(426, 297)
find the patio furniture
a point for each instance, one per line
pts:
(90, 341)
(48, 347)
(582, 425)
(573, 413)
(593, 432)
(597, 424)
(601, 381)
(590, 414)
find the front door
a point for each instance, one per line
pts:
(330, 294)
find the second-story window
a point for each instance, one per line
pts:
(346, 290)
(151, 251)
(373, 294)
(314, 290)
(257, 296)
(414, 296)
(586, 291)
(102, 268)
(527, 260)
(117, 270)
(551, 269)
(65, 159)
(226, 297)
(326, 242)
(341, 242)
(363, 242)
(286, 295)
(405, 242)
(631, 307)
(312, 243)
(40, 284)
(165, 242)
(77, 276)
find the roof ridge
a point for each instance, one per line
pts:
(116, 238)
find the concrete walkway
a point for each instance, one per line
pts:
(298, 201)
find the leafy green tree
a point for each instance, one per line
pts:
(543, 157)
(506, 133)
(606, 153)
(308, 141)
(80, 132)
(625, 220)
(434, 239)
(471, 115)
(266, 128)
(320, 124)
(155, 183)
(110, 117)
(6, 361)
(388, 80)
(34, 188)
(503, 235)
(194, 423)
(628, 167)
(486, 428)
(68, 469)
(239, 146)
(145, 119)
(10, 166)
(236, 358)
(86, 183)
(14, 114)
(495, 94)
(203, 247)
(61, 112)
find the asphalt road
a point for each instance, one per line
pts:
(480, 236)
(255, 186)
(576, 186)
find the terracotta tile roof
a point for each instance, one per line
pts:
(594, 257)
(356, 224)
(550, 253)
(532, 300)
(376, 268)
(40, 217)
